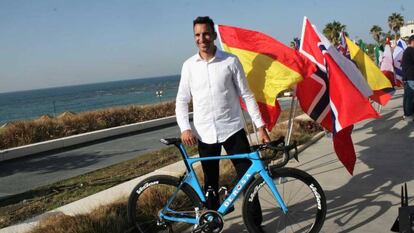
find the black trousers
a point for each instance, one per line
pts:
(235, 144)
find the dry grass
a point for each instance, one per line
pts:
(302, 131)
(106, 219)
(45, 128)
(113, 218)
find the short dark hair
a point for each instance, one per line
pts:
(411, 38)
(204, 20)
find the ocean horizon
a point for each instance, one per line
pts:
(31, 104)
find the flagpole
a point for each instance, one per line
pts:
(247, 129)
(292, 112)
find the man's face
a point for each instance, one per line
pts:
(204, 37)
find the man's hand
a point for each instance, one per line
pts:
(263, 136)
(187, 138)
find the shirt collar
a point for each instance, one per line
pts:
(219, 54)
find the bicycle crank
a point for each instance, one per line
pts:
(210, 222)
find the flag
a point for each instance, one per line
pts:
(270, 66)
(343, 47)
(343, 85)
(379, 50)
(349, 105)
(387, 66)
(378, 82)
(313, 97)
(397, 57)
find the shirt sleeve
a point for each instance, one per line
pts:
(244, 92)
(183, 99)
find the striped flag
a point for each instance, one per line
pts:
(387, 66)
(397, 57)
(270, 66)
(346, 88)
(343, 47)
(378, 82)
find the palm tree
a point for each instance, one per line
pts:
(395, 21)
(332, 31)
(376, 32)
(294, 43)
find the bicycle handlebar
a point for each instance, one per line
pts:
(276, 147)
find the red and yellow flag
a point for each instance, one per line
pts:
(269, 65)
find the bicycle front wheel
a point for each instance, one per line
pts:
(302, 195)
(151, 195)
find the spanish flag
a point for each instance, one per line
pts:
(378, 82)
(269, 65)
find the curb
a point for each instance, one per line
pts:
(113, 194)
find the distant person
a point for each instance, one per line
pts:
(407, 65)
(214, 80)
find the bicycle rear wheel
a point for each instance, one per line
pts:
(302, 195)
(150, 196)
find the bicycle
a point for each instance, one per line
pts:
(291, 200)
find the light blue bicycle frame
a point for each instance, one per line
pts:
(190, 178)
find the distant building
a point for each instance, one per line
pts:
(407, 30)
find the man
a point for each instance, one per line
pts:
(407, 65)
(214, 80)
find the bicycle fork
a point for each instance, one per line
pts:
(269, 181)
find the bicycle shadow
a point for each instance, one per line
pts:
(369, 200)
(372, 194)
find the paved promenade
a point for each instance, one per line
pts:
(368, 201)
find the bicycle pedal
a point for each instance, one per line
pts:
(198, 229)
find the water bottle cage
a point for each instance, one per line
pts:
(223, 188)
(210, 191)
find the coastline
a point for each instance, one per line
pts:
(31, 104)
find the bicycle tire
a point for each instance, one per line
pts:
(151, 195)
(302, 195)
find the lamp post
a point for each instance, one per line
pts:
(159, 94)
(54, 108)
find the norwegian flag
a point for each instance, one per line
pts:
(336, 95)
(313, 96)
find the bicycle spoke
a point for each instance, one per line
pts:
(298, 222)
(150, 197)
(295, 193)
(306, 213)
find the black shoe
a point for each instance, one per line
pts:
(259, 229)
(212, 200)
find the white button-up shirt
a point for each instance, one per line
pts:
(215, 87)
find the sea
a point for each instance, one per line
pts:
(23, 105)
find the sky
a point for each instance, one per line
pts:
(49, 43)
